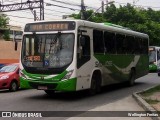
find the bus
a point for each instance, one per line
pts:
(74, 55)
(154, 58)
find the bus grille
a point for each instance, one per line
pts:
(49, 86)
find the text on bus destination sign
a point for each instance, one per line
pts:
(49, 26)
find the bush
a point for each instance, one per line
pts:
(6, 35)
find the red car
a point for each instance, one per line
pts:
(9, 77)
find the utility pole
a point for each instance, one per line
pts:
(83, 9)
(106, 4)
(24, 6)
(102, 7)
(135, 1)
(110, 2)
(35, 16)
(41, 10)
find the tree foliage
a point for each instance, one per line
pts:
(138, 19)
(3, 20)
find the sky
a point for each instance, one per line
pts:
(20, 18)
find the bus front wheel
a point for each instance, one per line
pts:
(95, 85)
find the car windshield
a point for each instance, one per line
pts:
(47, 50)
(8, 68)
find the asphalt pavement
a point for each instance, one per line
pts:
(119, 110)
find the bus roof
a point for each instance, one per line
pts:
(103, 26)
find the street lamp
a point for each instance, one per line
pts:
(99, 8)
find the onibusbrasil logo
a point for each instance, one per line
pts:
(21, 114)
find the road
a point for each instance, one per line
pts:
(36, 100)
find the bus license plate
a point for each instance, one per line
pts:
(42, 88)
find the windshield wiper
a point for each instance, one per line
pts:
(54, 40)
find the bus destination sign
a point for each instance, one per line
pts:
(49, 26)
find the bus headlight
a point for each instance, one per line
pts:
(21, 74)
(68, 75)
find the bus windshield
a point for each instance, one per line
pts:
(47, 50)
(152, 56)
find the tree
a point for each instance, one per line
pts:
(94, 17)
(135, 18)
(3, 25)
(3, 20)
(138, 19)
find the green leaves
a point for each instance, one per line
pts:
(136, 18)
(3, 20)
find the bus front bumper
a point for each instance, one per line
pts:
(64, 85)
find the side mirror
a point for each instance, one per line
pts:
(82, 40)
(16, 46)
(16, 39)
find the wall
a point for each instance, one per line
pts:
(7, 52)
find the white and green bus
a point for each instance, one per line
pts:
(154, 58)
(73, 55)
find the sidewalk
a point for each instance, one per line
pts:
(125, 104)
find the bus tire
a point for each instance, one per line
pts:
(132, 78)
(93, 88)
(49, 92)
(95, 84)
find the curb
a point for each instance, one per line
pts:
(144, 104)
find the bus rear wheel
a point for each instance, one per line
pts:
(131, 81)
(49, 92)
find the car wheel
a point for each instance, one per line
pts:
(49, 92)
(13, 86)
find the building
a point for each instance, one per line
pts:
(7, 48)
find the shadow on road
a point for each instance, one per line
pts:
(73, 96)
(7, 91)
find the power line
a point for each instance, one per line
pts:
(44, 13)
(55, 11)
(19, 17)
(67, 3)
(72, 4)
(49, 4)
(23, 6)
(16, 21)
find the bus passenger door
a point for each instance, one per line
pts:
(83, 59)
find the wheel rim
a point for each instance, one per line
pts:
(14, 86)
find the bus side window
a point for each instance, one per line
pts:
(145, 42)
(130, 45)
(144, 46)
(98, 42)
(109, 39)
(158, 54)
(119, 43)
